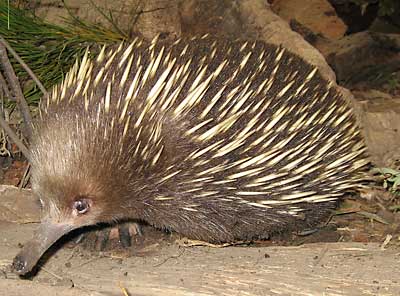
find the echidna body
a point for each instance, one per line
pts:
(216, 140)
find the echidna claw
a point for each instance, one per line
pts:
(109, 237)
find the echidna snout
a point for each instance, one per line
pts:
(216, 140)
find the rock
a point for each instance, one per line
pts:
(260, 22)
(357, 17)
(216, 17)
(380, 119)
(18, 206)
(317, 15)
(148, 17)
(356, 57)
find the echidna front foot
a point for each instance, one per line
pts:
(109, 237)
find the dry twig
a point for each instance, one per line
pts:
(4, 125)
(15, 86)
(24, 65)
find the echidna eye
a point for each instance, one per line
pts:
(81, 206)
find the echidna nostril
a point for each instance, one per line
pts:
(19, 264)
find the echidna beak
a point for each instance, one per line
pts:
(46, 235)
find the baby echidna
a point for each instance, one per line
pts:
(216, 140)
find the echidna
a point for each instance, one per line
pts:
(217, 140)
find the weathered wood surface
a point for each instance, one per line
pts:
(315, 269)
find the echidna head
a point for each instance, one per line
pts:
(76, 186)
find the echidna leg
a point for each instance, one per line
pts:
(109, 237)
(125, 234)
